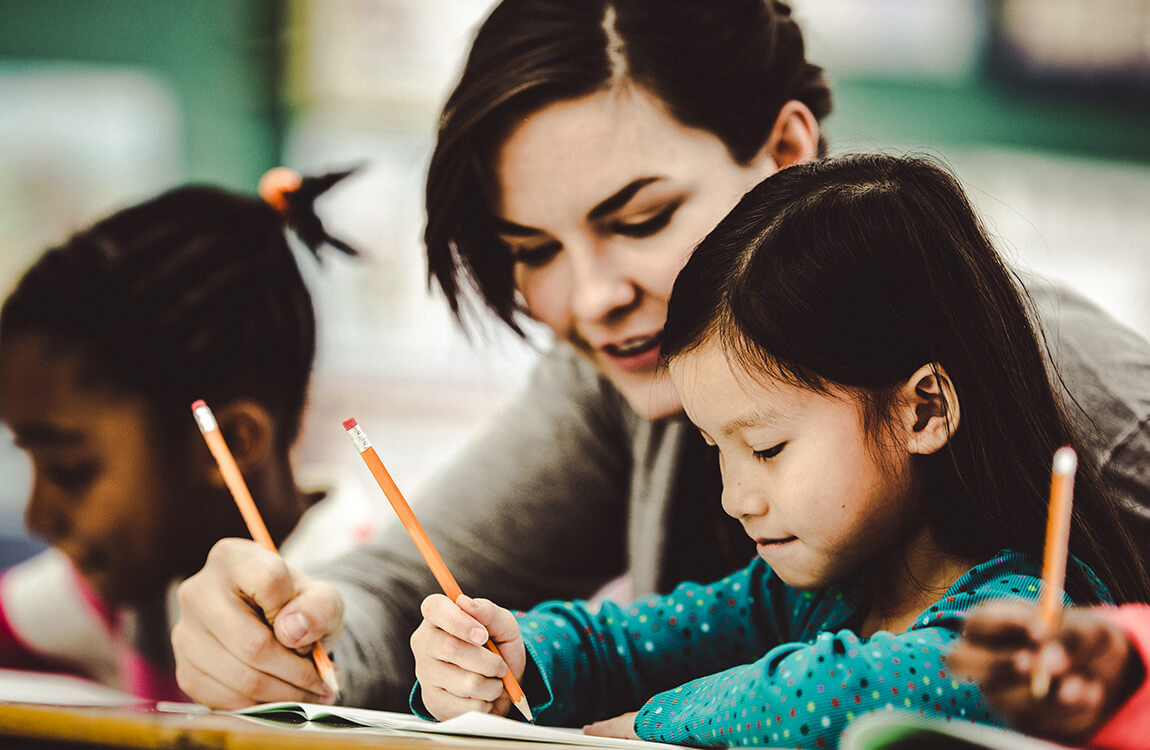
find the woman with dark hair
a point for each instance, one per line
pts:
(588, 147)
(851, 343)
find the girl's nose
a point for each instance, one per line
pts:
(601, 288)
(742, 499)
(45, 518)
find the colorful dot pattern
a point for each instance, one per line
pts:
(783, 666)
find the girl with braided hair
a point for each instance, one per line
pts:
(104, 343)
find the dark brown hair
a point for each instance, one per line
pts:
(857, 271)
(724, 66)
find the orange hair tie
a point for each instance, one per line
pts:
(276, 183)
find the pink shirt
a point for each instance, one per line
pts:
(1130, 726)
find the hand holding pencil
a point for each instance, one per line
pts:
(467, 669)
(251, 515)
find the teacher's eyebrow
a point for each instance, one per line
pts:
(511, 229)
(620, 197)
(614, 202)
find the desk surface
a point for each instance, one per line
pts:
(58, 727)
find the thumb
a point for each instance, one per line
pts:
(314, 614)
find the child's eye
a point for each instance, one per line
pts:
(73, 478)
(647, 227)
(535, 257)
(771, 452)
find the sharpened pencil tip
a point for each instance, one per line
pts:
(525, 709)
(328, 677)
(349, 423)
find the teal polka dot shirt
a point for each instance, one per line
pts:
(782, 666)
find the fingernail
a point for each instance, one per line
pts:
(478, 635)
(295, 626)
(464, 600)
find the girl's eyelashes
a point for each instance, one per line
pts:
(73, 477)
(769, 453)
(647, 227)
(534, 257)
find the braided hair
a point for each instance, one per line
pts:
(194, 293)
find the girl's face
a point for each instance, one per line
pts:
(602, 200)
(819, 496)
(101, 492)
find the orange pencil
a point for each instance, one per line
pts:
(426, 548)
(1055, 553)
(256, 527)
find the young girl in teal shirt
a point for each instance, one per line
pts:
(863, 360)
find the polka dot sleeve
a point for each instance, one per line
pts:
(783, 666)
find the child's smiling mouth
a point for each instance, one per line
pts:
(767, 546)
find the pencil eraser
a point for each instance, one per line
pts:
(1065, 460)
(198, 403)
(349, 423)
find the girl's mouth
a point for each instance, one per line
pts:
(770, 545)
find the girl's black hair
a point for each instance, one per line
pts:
(724, 66)
(192, 294)
(856, 272)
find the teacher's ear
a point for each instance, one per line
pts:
(794, 138)
(930, 409)
(249, 430)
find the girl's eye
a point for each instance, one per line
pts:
(72, 478)
(771, 452)
(647, 227)
(535, 257)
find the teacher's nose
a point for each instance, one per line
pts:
(601, 289)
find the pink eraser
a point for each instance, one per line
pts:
(198, 403)
(349, 423)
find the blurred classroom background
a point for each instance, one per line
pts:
(1041, 106)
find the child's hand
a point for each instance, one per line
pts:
(619, 726)
(1089, 660)
(456, 671)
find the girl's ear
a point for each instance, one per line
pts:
(249, 431)
(931, 411)
(794, 137)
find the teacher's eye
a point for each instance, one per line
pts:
(72, 477)
(771, 452)
(649, 226)
(535, 257)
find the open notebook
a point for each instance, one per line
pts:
(470, 724)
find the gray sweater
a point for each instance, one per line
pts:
(570, 488)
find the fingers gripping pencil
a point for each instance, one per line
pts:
(423, 542)
(255, 523)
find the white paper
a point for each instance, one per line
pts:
(471, 724)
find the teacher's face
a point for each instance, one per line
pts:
(602, 199)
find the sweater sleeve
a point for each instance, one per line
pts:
(805, 693)
(781, 666)
(534, 509)
(590, 664)
(1130, 725)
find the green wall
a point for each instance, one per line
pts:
(221, 58)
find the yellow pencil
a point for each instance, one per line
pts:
(423, 542)
(1055, 554)
(256, 527)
